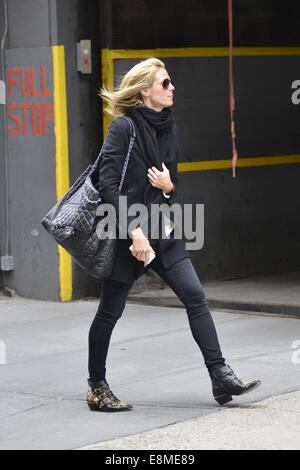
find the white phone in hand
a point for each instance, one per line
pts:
(152, 256)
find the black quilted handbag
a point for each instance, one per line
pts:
(72, 222)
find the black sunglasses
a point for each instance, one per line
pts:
(166, 83)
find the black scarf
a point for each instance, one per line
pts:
(155, 149)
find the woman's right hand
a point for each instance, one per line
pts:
(141, 246)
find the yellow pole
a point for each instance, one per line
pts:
(62, 161)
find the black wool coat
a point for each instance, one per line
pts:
(126, 267)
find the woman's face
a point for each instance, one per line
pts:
(157, 97)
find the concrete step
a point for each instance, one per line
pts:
(275, 294)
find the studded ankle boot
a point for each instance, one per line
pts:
(225, 384)
(101, 398)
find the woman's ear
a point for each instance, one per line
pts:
(145, 92)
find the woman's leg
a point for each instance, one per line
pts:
(111, 307)
(183, 280)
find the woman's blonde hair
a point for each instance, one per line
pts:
(128, 93)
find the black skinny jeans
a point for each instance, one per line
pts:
(183, 280)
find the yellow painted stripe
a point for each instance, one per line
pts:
(62, 160)
(242, 163)
(203, 52)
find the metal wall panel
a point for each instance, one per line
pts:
(32, 180)
(29, 23)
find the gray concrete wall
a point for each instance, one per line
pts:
(29, 23)
(32, 181)
(31, 153)
(33, 28)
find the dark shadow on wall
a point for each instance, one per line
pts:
(77, 20)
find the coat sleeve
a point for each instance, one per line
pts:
(113, 158)
(172, 199)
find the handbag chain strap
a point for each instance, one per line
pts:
(131, 144)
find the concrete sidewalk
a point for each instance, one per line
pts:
(153, 363)
(272, 424)
(278, 293)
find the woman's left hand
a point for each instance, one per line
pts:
(160, 179)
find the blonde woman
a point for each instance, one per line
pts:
(146, 95)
